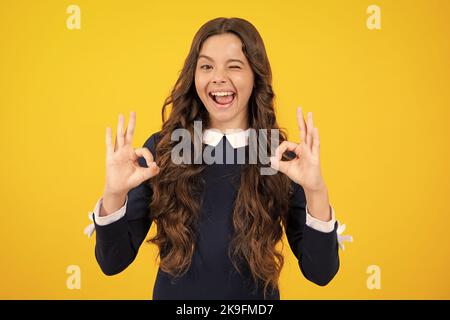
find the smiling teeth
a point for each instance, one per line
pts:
(222, 94)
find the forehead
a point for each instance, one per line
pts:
(223, 46)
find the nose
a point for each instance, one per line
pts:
(219, 76)
(219, 81)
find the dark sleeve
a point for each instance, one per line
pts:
(117, 244)
(316, 251)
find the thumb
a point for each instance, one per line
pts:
(278, 164)
(147, 173)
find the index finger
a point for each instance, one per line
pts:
(287, 145)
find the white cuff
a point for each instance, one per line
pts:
(328, 226)
(110, 218)
(103, 221)
(319, 225)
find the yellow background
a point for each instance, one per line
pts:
(380, 99)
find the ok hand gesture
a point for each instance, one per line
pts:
(123, 171)
(304, 169)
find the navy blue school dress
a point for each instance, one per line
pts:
(211, 274)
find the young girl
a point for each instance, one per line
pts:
(218, 224)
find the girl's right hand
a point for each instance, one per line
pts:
(123, 171)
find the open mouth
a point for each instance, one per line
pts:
(222, 100)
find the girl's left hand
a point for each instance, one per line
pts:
(304, 169)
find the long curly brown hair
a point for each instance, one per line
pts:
(262, 201)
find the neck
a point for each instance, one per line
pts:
(231, 126)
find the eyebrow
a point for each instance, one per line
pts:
(211, 59)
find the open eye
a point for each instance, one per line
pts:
(205, 67)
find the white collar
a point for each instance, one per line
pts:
(236, 137)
